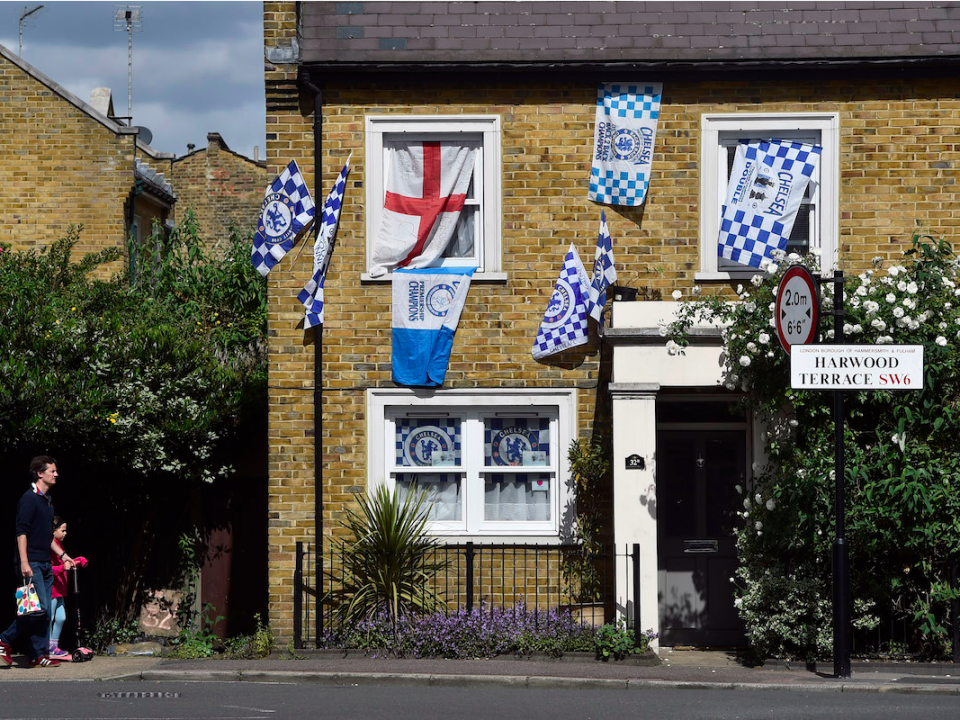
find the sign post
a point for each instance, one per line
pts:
(840, 367)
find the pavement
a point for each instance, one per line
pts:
(677, 668)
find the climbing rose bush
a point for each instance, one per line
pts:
(902, 459)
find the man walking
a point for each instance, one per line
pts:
(34, 544)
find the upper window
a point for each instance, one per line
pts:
(816, 222)
(490, 464)
(476, 239)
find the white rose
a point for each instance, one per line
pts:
(891, 298)
(751, 347)
(941, 341)
(772, 268)
(771, 504)
(677, 294)
(894, 271)
(757, 280)
(861, 291)
(912, 288)
(898, 312)
(902, 285)
(764, 338)
(758, 525)
(745, 361)
(750, 307)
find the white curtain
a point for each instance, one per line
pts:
(509, 499)
(442, 496)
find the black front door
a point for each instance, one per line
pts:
(697, 501)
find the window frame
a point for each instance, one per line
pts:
(384, 405)
(489, 169)
(713, 189)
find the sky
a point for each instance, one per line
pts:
(197, 66)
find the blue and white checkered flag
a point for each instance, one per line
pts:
(604, 272)
(767, 184)
(287, 209)
(312, 294)
(564, 323)
(624, 134)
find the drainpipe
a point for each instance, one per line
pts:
(307, 82)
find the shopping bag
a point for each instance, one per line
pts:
(28, 602)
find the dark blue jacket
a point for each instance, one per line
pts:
(35, 520)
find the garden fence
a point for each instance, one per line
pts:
(482, 577)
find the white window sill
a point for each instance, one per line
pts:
(718, 276)
(451, 538)
(480, 277)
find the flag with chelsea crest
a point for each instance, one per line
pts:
(564, 323)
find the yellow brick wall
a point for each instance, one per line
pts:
(224, 190)
(899, 158)
(60, 167)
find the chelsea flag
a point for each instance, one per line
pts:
(426, 311)
(564, 323)
(766, 187)
(287, 209)
(623, 136)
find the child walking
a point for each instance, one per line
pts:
(58, 612)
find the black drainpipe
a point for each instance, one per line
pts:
(318, 338)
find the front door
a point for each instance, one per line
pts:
(697, 501)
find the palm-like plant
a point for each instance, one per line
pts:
(390, 566)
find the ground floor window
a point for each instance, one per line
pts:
(491, 463)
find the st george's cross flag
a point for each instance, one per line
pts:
(767, 184)
(426, 186)
(564, 324)
(624, 134)
(287, 209)
(604, 272)
(427, 304)
(312, 294)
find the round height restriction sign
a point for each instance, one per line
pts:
(797, 308)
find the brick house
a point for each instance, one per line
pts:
(69, 162)
(223, 187)
(874, 84)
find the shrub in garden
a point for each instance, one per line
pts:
(902, 459)
(136, 386)
(484, 633)
(390, 561)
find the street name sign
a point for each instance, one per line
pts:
(856, 367)
(797, 308)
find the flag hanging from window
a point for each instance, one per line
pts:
(564, 324)
(287, 209)
(312, 294)
(426, 185)
(604, 272)
(623, 136)
(767, 184)
(426, 311)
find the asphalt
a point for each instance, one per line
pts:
(682, 669)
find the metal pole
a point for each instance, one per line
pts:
(955, 610)
(635, 557)
(298, 598)
(469, 563)
(841, 551)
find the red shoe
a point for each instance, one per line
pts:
(44, 662)
(5, 655)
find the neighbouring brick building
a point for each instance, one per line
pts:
(67, 162)
(224, 188)
(874, 84)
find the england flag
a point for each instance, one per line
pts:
(312, 294)
(604, 272)
(564, 323)
(287, 209)
(426, 187)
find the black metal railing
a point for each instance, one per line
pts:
(562, 578)
(896, 635)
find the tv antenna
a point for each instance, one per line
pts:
(23, 21)
(128, 19)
